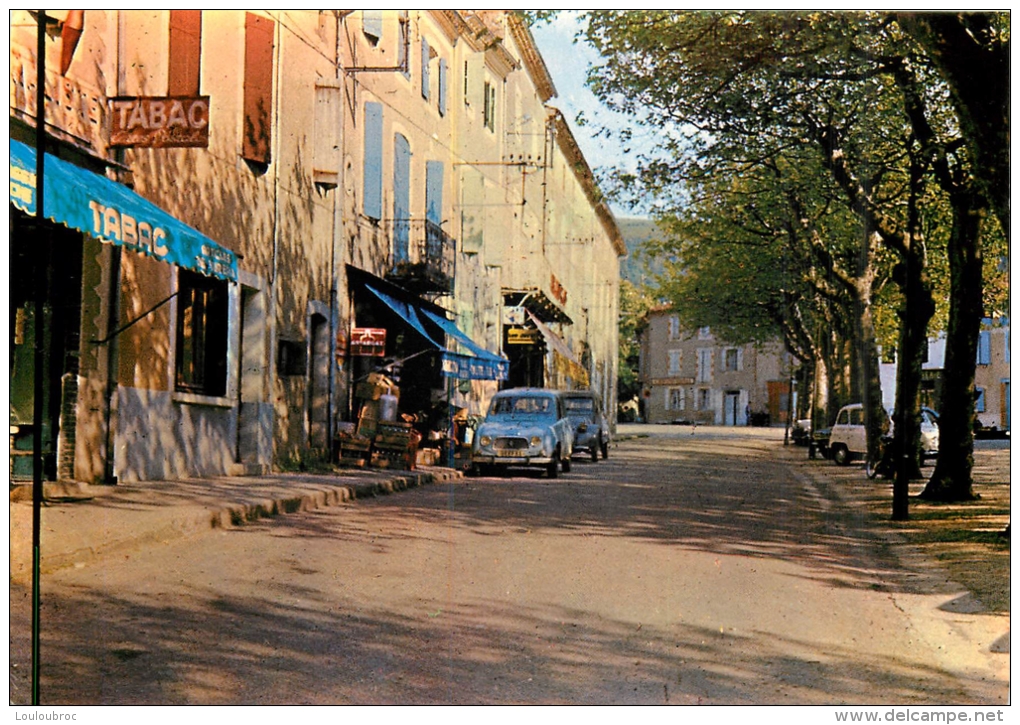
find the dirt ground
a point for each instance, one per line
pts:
(967, 539)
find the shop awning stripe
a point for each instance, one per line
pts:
(482, 365)
(111, 212)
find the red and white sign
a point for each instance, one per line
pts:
(368, 341)
(159, 122)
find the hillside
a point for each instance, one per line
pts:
(635, 232)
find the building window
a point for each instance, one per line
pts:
(372, 201)
(403, 50)
(674, 327)
(184, 68)
(202, 319)
(704, 399)
(425, 56)
(979, 400)
(675, 360)
(984, 350)
(258, 88)
(731, 359)
(675, 399)
(434, 192)
(704, 333)
(489, 109)
(372, 25)
(441, 102)
(704, 365)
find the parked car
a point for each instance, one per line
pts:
(848, 439)
(929, 434)
(591, 429)
(801, 432)
(524, 427)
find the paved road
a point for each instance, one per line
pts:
(691, 567)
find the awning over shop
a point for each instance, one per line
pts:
(477, 364)
(112, 213)
(536, 302)
(570, 363)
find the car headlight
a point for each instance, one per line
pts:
(485, 441)
(536, 440)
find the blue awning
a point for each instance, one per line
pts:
(112, 213)
(477, 364)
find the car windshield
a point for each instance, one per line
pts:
(580, 405)
(522, 405)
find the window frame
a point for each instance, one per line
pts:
(201, 368)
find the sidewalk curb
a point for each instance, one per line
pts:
(106, 536)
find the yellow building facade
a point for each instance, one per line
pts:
(345, 194)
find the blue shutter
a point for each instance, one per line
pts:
(442, 86)
(434, 191)
(424, 69)
(984, 348)
(401, 198)
(373, 160)
(371, 24)
(979, 403)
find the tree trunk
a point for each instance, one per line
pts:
(918, 308)
(952, 479)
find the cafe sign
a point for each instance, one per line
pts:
(159, 122)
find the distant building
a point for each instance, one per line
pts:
(696, 377)
(991, 377)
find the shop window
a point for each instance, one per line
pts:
(372, 201)
(202, 319)
(185, 53)
(258, 88)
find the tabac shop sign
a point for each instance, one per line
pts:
(159, 122)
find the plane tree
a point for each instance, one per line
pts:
(739, 88)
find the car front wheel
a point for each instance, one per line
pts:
(605, 450)
(552, 469)
(841, 455)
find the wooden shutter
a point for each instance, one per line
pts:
(424, 69)
(442, 86)
(372, 201)
(401, 198)
(258, 88)
(372, 24)
(185, 53)
(434, 191)
(326, 163)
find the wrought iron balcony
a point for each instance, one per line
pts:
(424, 257)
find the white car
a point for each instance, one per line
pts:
(525, 427)
(848, 440)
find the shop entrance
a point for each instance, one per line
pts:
(29, 251)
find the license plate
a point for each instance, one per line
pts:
(511, 453)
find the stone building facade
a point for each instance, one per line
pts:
(240, 197)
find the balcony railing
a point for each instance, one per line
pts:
(424, 257)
